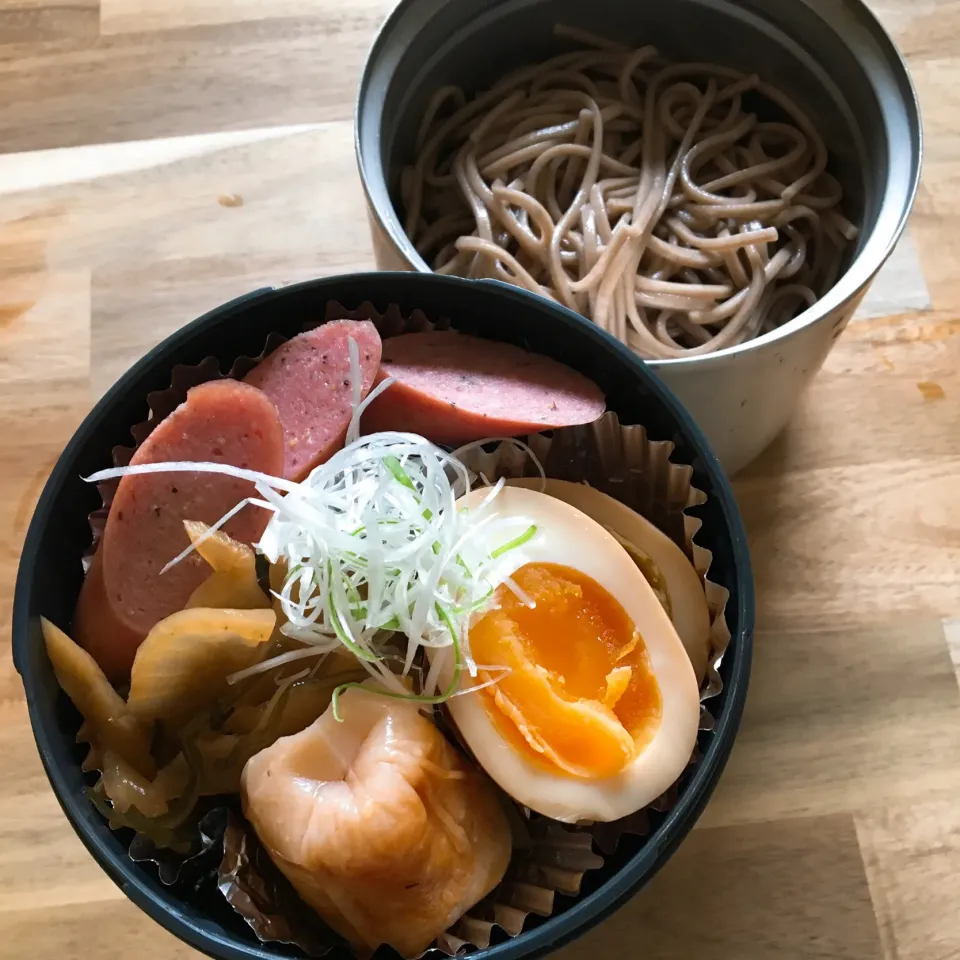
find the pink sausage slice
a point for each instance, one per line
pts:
(124, 594)
(110, 640)
(452, 389)
(308, 379)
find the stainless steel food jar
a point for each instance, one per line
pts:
(832, 56)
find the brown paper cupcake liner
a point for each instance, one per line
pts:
(550, 858)
(262, 895)
(621, 461)
(555, 859)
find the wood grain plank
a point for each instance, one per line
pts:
(44, 863)
(168, 298)
(193, 80)
(47, 337)
(843, 720)
(36, 21)
(936, 74)
(275, 212)
(900, 287)
(39, 170)
(121, 16)
(912, 858)
(951, 629)
(833, 427)
(897, 527)
(768, 891)
(923, 29)
(148, 171)
(107, 930)
(296, 195)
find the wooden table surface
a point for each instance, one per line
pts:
(158, 157)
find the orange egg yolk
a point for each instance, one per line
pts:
(580, 695)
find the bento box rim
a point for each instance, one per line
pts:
(165, 908)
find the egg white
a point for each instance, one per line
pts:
(567, 536)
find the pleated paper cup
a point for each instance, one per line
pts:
(550, 859)
(622, 462)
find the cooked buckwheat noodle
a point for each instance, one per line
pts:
(638, 192)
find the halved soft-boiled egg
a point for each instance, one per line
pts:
(595, 708)
(663, 563)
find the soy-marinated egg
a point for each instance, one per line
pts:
(595, 708)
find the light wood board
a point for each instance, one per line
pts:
(158, 157)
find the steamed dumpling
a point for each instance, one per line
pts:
(378, 822)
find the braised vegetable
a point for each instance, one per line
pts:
(183, 664)
(110, 719)
(233, 583)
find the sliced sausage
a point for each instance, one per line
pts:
(452, 389)
(124, 595)
(308, 379)
(110, 640)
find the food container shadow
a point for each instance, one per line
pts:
(832, 56)
(50, 571)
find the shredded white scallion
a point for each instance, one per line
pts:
(209, 532)
(498, 441)
(520, 594)
(492, 682)
(372, 543)
(273, 662)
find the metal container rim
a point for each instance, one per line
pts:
(859, 274)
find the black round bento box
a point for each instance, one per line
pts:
(51, 573)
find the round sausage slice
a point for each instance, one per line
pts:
(98, 628)
(453, 389)
(124, 594)
(308, 379)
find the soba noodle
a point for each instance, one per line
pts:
(640, 193)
